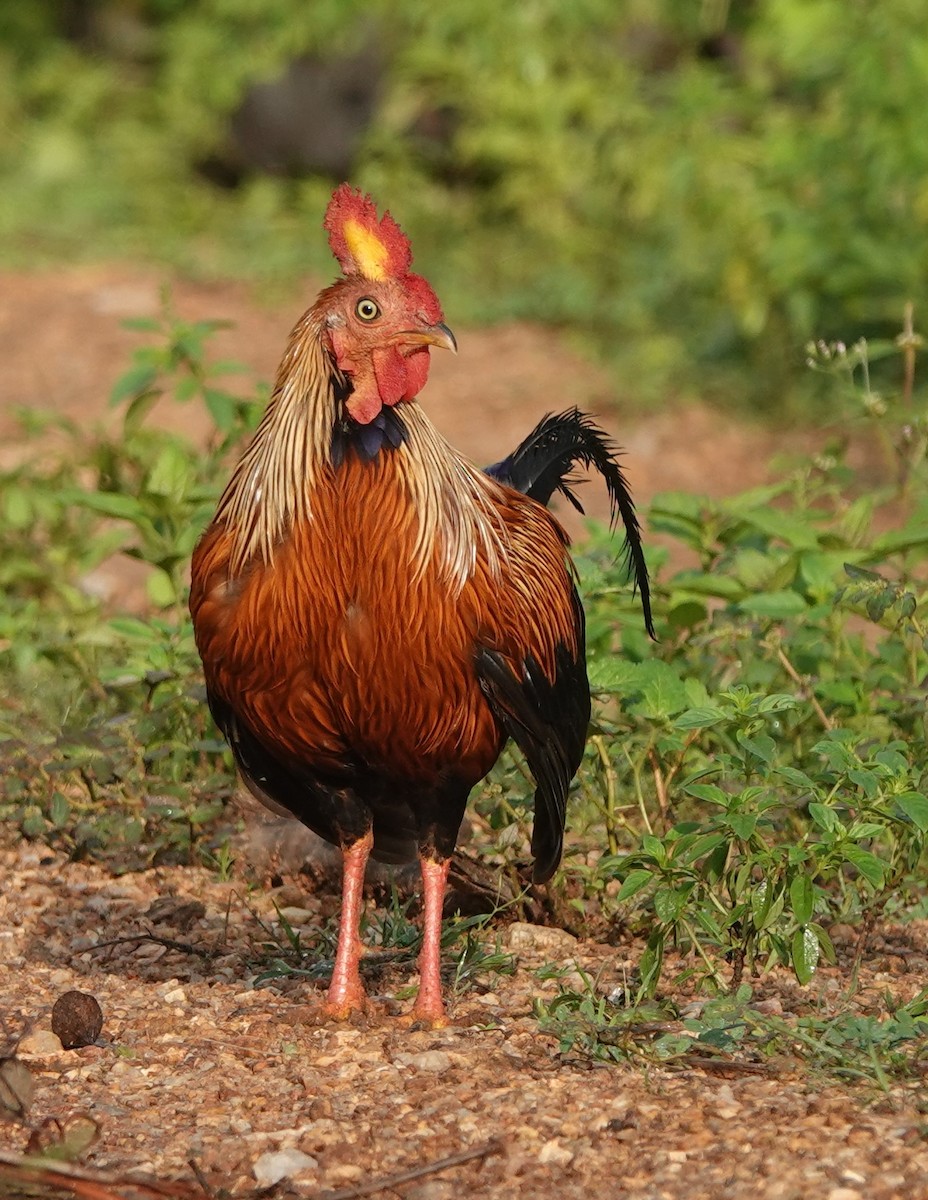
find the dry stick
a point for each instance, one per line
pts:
(909, 341)
(659, 785)
(724, 1065)
(800, 682)
(168, 943)
(201, 1179)
(385, 1182)
(662, 782)
(83, 1183)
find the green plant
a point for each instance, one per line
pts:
(728, 1031)
(755, 179)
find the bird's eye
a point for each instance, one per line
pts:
(367, 309)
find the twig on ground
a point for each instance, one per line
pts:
(204, 1183)
(723, 1065)
(386, 1182)
(79, 1182)
(159, 940)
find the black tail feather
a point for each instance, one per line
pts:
(543, 463)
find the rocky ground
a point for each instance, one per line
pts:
(195, 1064)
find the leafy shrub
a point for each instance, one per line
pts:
(677, 183)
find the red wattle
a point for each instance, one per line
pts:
(390, 373)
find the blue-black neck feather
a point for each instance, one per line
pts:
(386, 430)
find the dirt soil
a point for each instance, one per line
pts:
(196, 1064)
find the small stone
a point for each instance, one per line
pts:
(435, 1189)
(554, 1154)
(41, 1043)
(17, 1087)
(77, 1019)
(345, 1173)
(844, 1193)
(175, 996)
(297, 916)
(276, 1165)
(542, 939)
(426, 1060)
(772, 1007)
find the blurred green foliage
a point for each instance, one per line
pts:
(694, 187)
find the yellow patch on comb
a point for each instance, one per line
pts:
(368, 251)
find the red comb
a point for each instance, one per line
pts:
(363, 243)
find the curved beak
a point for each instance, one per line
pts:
(428, 335)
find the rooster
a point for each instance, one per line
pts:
(376, 616)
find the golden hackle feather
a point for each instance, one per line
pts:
(272, 487)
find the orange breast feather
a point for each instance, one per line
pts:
(339, 645)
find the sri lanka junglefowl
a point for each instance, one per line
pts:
(376, 615)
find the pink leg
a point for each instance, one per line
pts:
(346, 992)
(429, 1005)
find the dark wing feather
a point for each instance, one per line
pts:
(542, 464)
(548, 720)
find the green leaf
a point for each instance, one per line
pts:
(139, 408)
(867, 781)
(132, 627)
(222, 408)
(708, 792)
(825, 818)
(768, 918)
(707, 584)
(662, 690)
(134, 382)
(110, 504)
(761, 746)
(17, 510)
(654, 847)
(698, 718)
(142, 324)
(777, 702)
(776, 605)
(613, 675)
(802, 898)
(915, 807)
(160, 588)
(795, 531)
(669, 903)
(872, 869)
(634, 882)
(185, 389)
(651, 961)
(170, 472)
(59, 810)
(878, 605)
(687, 614)
(805, 953)
(742, 825)
(820, 572)
(825, 943)
(761, 898)
(799, 779)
